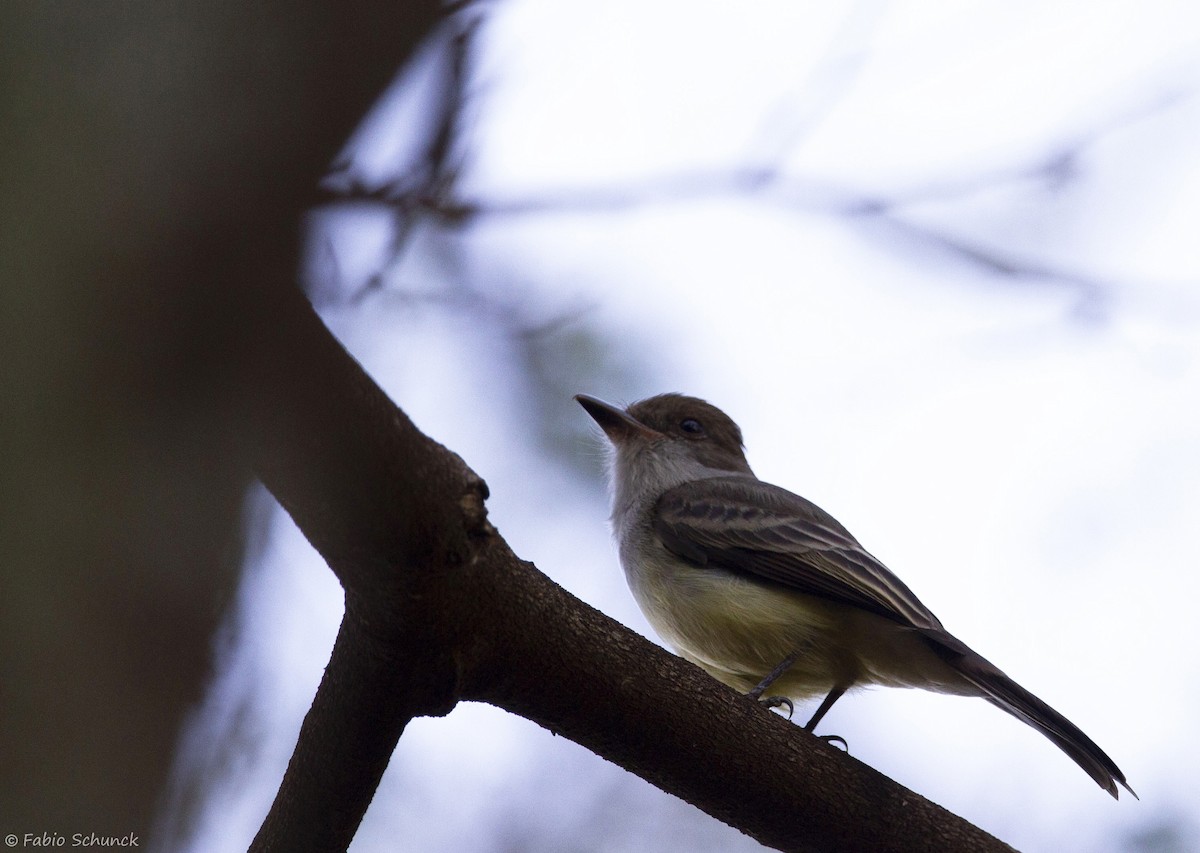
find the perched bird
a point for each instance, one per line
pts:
(765, 590)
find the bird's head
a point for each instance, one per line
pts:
(668, 439)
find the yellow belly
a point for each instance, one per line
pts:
(738, 630)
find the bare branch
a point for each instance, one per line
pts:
(439, 610)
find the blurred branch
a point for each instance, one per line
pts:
(1091, 291)
(438, 200)
(428, 182)
(1060, 164)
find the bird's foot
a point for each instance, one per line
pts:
(779, 702)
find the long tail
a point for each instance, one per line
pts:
(1005, 693)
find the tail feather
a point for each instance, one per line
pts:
(1005, 693)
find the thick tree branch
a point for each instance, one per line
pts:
(351, 730)
(439, 610)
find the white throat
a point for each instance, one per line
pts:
(640, 472)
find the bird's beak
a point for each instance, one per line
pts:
(616, 423)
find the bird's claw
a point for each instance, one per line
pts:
(831, 739)
(779, 702)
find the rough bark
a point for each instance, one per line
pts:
(439, 610)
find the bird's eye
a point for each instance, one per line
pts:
(691, 426)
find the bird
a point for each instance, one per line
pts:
(764, 590)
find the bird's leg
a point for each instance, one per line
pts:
(774, 674)
(775, 701)
(826, 704)
(834, 695)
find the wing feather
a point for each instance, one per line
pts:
(745, 525)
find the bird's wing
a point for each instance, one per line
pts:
(744, 525)
(747, 526)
